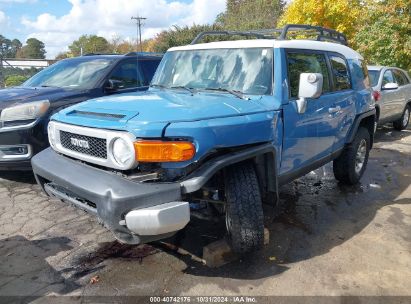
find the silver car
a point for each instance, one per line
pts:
(392, 94)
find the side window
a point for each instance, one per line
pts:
(306, 63)
(127, 73)
(400, 77)
(387, 78)
(407, 81)
(340, 73)
(148, 68)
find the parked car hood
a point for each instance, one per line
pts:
(19, 95)
(157, 106)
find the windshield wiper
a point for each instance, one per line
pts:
(157, 86)
(236, 93)
(191, 90)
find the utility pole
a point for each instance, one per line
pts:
(139, 24)
(2, 50)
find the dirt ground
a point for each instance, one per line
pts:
(331, 240)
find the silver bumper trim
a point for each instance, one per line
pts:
(158, 219)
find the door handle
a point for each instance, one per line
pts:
(334, 110)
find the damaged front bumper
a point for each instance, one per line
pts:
(134, 212)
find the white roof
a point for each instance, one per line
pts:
(271, 43)
(374, 67)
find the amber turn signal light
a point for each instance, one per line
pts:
(163, 151)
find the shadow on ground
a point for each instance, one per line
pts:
(18, 176)
(25, 271)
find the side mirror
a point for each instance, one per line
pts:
(390, 86)
(311, 86)
(113, 85)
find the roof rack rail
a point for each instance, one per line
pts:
(257, 34)
(321, 33)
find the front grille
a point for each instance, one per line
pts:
(97, 147)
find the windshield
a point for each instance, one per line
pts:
(247, 70)
(374, 75)
(81, 74)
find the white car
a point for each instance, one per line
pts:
(392, 94)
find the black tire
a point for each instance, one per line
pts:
(244, 211)
(347, 167)
(402, 123)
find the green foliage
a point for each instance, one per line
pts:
(63, 55)
(89, 44)
(34, 49)
(15, 80)
(251, 14)
(341, 15)
(9, 71)
(385, 38)
(9, 48)
(180, 36)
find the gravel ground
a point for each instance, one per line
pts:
(331, 240)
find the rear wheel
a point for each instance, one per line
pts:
(402, 123)
(350, 165)
(244, 212)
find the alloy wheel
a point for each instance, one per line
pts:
(360, 156)
(406, 117)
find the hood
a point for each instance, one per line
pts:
(161, 106)
(18, 95)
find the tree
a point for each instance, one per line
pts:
(34, 49)
(179, 36)
(15, 80)
(385, 38)
(63, 55)
(89, 44)
(251, 14)
(9, 48)
(341, 15)
(16, 45)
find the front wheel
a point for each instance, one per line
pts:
(244, 210)
(402, 123)
(350, 165)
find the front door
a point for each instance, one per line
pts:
(309, 136)
(390, 98)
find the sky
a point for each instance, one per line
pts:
(58, 22)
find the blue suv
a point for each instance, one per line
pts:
(223, 125)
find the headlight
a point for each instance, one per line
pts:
(122, 152)
(28, 111)
(51, 133)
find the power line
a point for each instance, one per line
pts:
(139, 24)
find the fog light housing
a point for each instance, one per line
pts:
(14, 152)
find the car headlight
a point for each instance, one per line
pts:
(123, 152)
(27, 111)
